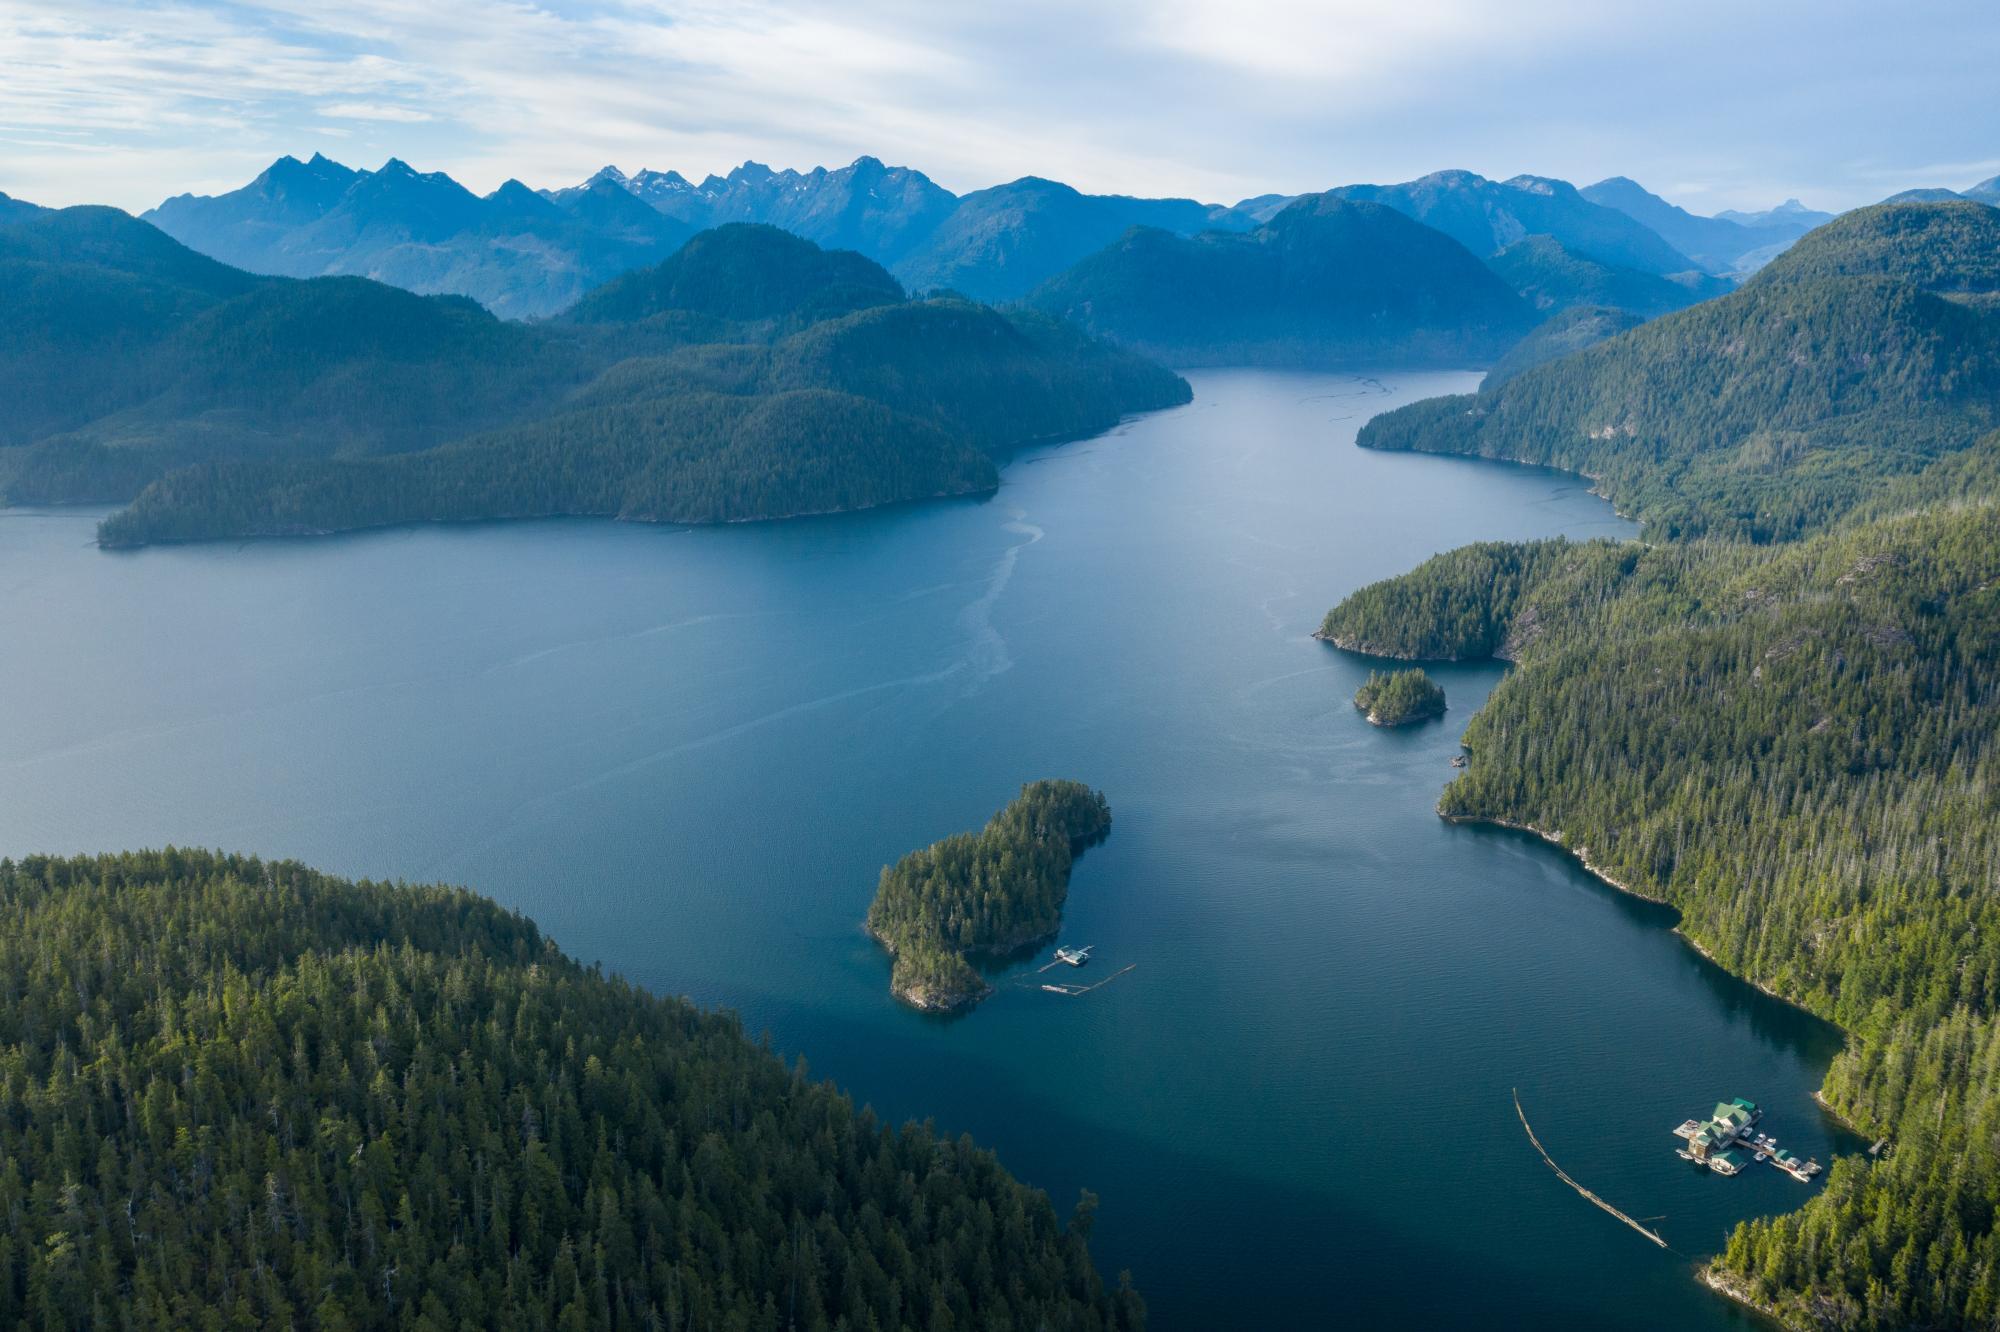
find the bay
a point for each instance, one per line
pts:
(688, 752)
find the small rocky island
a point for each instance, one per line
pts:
(1400, 697)
(983, 894)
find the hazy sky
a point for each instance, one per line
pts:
(1713, 104)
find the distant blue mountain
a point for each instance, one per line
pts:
(515, 251)
(1789, 213)
(1326, 282)
(1000, 244)
(1933, 194)
(1716, 244)
(880, 211)
(1487, 216)
(994, 244)
(1552, 278)
(1986, 192)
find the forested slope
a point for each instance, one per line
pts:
(1794, 739)
(242, 1094)
(1325, 282)
(752, 375)
(1764, 414)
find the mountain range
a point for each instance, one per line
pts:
(1486, 216)
(524, 253)
(1326, 281)
(517, 252)
(1720, 244)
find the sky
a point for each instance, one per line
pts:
(1714, 105)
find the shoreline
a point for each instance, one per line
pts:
(1733, 1289)
(1365, 650)
(1581, 855)
(960, 1003)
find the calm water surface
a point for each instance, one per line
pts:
(687, 753)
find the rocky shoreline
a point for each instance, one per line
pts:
(1734, 1288)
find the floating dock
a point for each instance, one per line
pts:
(1716, 1142)
(1069, 957)
(1086, 989)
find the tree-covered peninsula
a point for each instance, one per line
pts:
(1860, 363)
(752, 375)
(237, 1093)
(1789, 730)
(1398, 698)
(983, 894)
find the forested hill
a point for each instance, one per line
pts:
(1772, 411)
(242, 1094)
(744, 272)
(1550, 276)
(1952, 248)
(754, 376)
(1794, 739)
(1325, 282)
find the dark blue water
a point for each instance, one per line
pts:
(688, 753)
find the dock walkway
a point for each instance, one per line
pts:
(1086, 989)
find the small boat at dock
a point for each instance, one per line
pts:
(1075, 957)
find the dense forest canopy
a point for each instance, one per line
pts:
(987, 893)
(1794, 738)
(744, 272)
(1397, 698)
(1768, 413)
(234, 405)
(1558, 336)
(242, 1094)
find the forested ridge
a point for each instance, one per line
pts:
(1794, 739)
(1325, 282)
(987, 893)
(752, 375)
(1855, 359)
(237, 1093)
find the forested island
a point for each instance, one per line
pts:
(1791, 729)
(983, 894)
(751, 375)
(240, 1093)
(1398, 698)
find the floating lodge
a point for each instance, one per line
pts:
(1722, 1141)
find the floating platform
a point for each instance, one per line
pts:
(1718, 1143)
(1055, 988)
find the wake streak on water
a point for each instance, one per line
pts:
(988, 655)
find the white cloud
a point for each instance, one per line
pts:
(402, 115)
(1217, 98)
